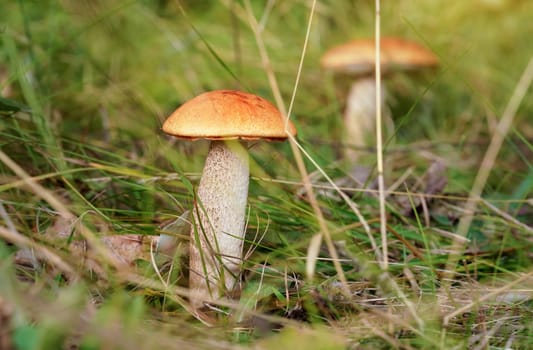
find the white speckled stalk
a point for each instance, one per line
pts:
(217, 235)
(360, 117)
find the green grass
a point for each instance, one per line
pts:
(85, 87)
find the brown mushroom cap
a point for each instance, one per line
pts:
(225, 115)
(358, 56)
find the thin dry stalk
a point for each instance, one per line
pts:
(485, 168)
(379, 151)
(297, 148)
(379, 143)
(297, 155)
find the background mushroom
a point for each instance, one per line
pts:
(217, 236)
(357, 58)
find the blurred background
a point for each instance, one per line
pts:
(110, 72)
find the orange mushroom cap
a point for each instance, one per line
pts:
(226, 115)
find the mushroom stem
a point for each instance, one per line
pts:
(360, 117)
(217, 235)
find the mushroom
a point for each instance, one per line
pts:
(229, 119)
(357, 58)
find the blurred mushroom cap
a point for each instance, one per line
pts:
(358, 56)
